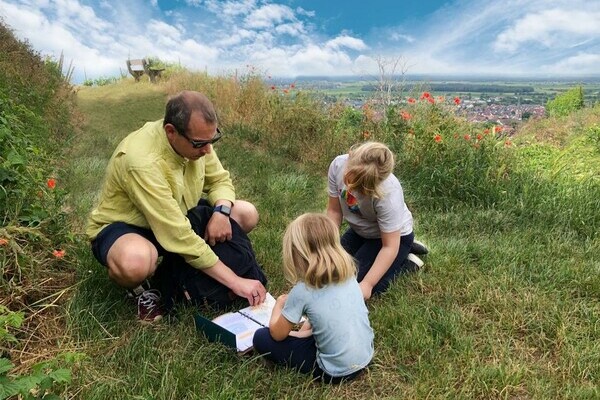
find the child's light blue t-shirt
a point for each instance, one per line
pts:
(340, 324)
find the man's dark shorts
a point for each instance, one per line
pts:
(109, 235)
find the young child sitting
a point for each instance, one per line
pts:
(336, 343)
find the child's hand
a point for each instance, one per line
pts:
(366, 290)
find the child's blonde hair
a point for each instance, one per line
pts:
(368, 165)
(312, 252)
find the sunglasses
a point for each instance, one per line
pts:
(198, 144)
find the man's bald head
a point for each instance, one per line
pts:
(180, 107)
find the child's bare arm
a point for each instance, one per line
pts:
(279, 327)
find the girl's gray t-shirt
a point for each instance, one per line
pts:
(368, 216)
(340, 324)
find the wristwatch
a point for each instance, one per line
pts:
(223, 210)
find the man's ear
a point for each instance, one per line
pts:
(170, 130)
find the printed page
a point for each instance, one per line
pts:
(242, 327)
(261, 313)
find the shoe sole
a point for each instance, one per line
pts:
(415, 260)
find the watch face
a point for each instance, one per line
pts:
(223, 210)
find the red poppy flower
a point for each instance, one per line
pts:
(497, 128)
(411, 100)
(467, 137)
(486, 131)
(366, 135)
(59, 253)
(272, 87)
(51, 183)
(456, 101)
(437, 138)
(405, 115)
(479, 136)
(508, 143)
(425, 95)
(3, 242)
(293, 85)
(431, 100)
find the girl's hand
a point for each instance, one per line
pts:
(366, 289)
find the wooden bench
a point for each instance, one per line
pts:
(137, 68)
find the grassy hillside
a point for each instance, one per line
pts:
(506, 307)
(508, 299)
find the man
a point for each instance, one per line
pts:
(154, 176)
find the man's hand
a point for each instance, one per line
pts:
(251, 289)
(218, 229)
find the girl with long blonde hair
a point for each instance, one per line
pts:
(336, 341)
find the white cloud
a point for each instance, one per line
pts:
(292, 29)
(549, 27)
(395, 36)
(268, 16)
(231, 8)
(346, 41)
(580, 64)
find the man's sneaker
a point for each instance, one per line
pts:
(413, 263)
(149, 306)
(136, 291)
(419, 248)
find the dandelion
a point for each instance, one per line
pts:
(467, 137)
(411, 100)
(59, 253)
(405, 115)
(3, 242)
(51, 183)
(456, 100)
(437, 138)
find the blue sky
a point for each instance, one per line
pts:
(288, 38)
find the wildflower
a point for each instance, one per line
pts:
(437, 138)
(507, 143)
(486, 131)
(59, 253)
(366, 135)
(293, 85)
(411, 100)
(441, 99)
(425, 95)
(497, 129)
(51, 183)
(285, 91)
(467, 137)
(3, 242)
(431, 100)
(405, 115)
(456, 100)
(273, 87)
(479, 136)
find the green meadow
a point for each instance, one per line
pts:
(506, 306)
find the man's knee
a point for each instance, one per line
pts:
(245, 214)
(131, 260)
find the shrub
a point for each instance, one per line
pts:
(565, 103)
